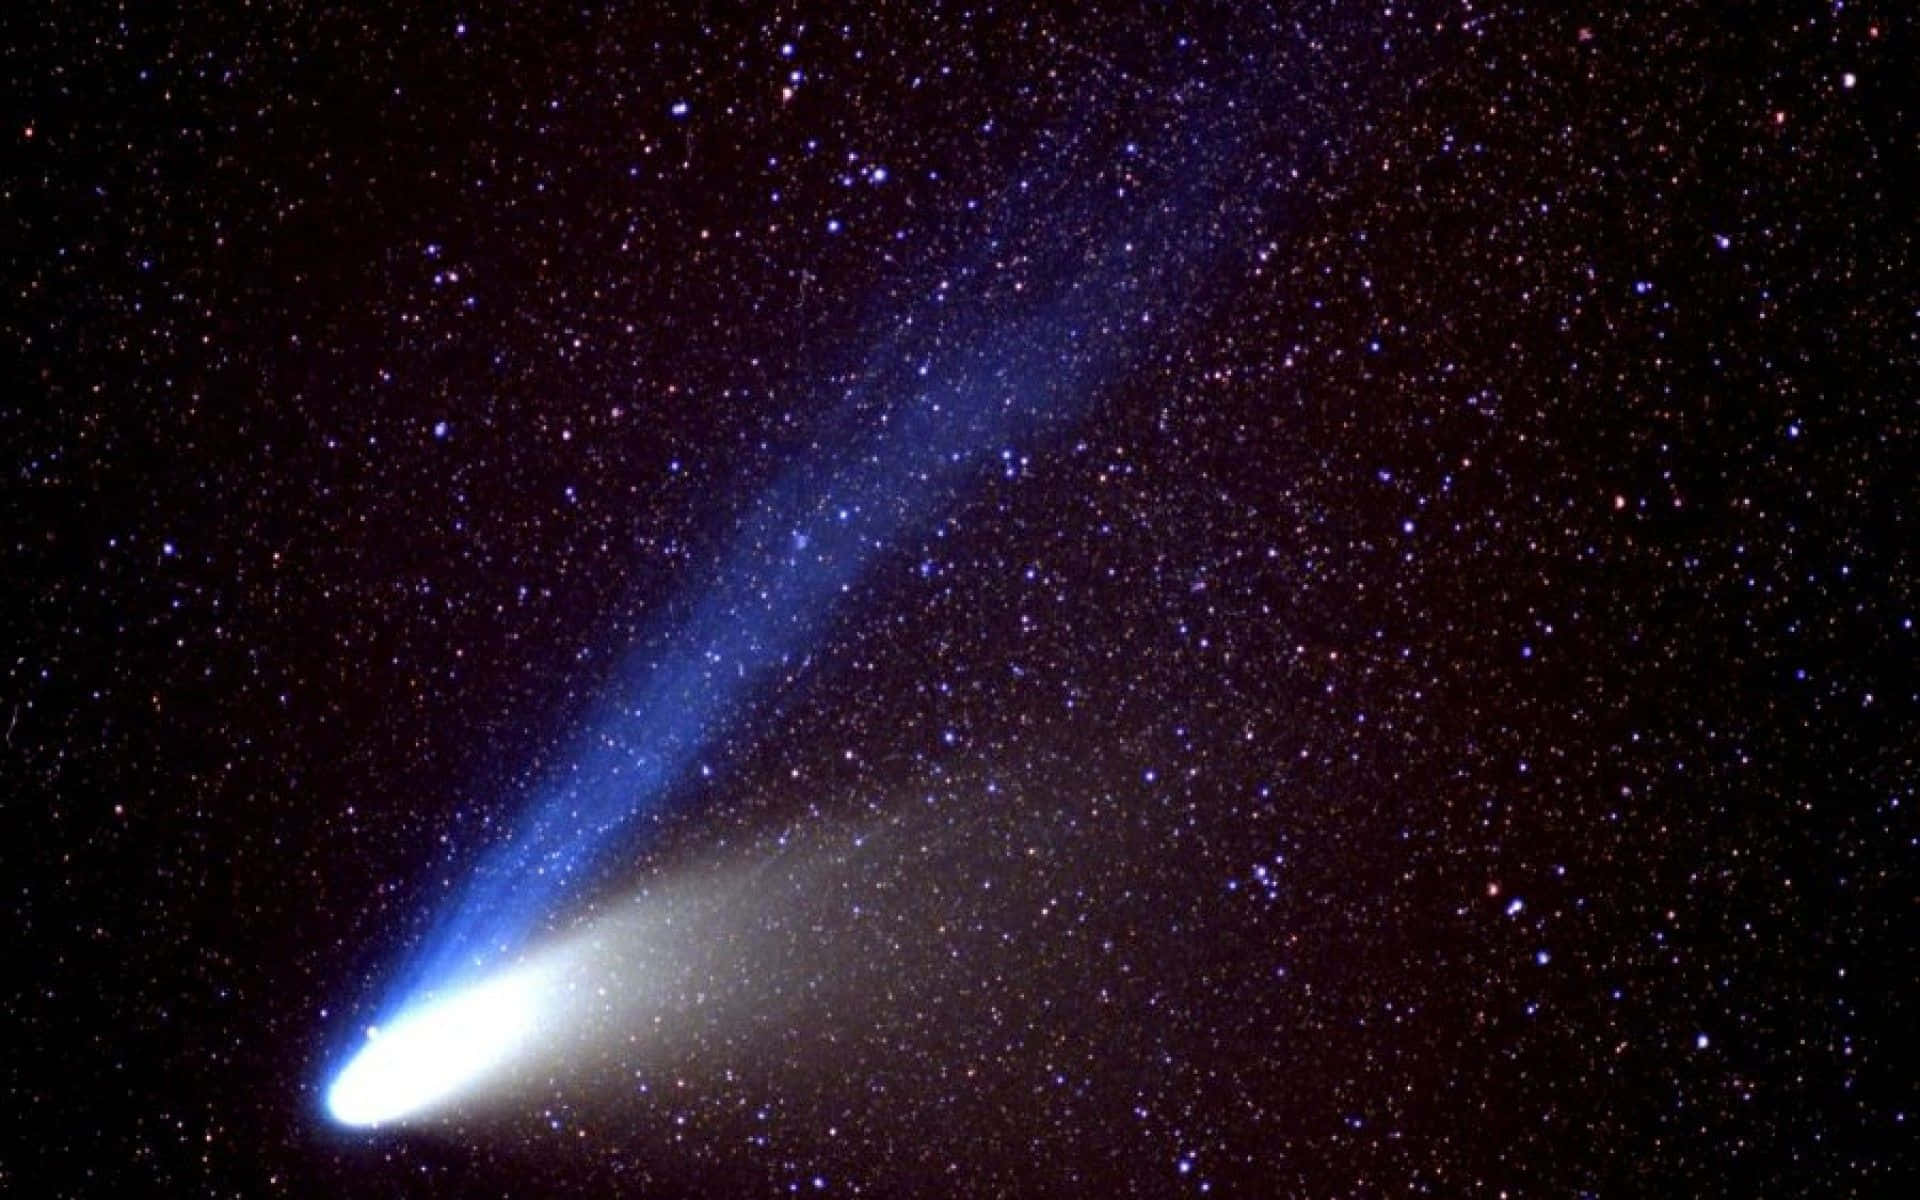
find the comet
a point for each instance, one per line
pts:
(956, 386)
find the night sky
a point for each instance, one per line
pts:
(1274, 600)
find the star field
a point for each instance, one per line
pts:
(1167, 600)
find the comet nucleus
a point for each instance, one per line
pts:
(439, 1049)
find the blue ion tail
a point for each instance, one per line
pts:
(961, 384)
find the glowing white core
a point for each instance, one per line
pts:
(433, 1051)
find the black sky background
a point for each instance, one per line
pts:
(1518, 505)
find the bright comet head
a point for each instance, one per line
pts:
(438, 1048)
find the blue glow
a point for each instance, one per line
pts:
(956, 389)
(799, 550)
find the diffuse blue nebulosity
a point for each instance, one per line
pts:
(975, 369)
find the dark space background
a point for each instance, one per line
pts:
(1440, 721)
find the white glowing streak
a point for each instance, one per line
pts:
(434, 1051)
